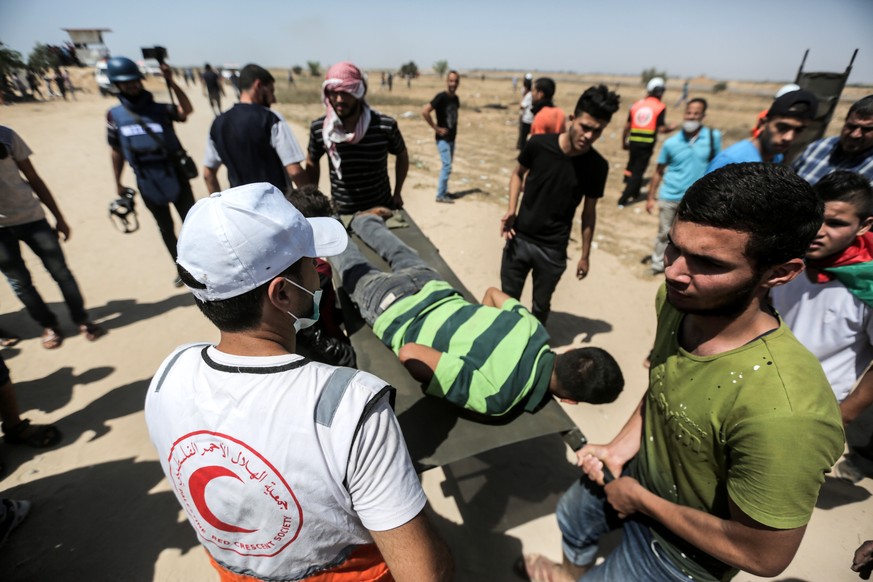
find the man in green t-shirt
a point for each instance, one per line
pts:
(489, 358)
(721, 463)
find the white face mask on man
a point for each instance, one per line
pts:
(304, 322)
(690, 125)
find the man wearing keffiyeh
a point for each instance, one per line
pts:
(830, 310)
(357, 140)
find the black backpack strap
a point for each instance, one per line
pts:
(712, 152)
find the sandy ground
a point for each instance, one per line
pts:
(102, 508)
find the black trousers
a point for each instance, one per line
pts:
(637, 162)
(523, 132)
(520, 257)
(162, 215)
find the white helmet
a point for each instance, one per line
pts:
(790, 87)
(655, 83)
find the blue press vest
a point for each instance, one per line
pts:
(156, 174)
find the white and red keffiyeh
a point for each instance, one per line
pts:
(346, 78)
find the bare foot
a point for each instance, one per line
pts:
(380, 211)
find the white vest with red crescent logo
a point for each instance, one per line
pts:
(282, 465)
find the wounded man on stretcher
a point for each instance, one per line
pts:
(488, 358)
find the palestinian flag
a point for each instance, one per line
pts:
(853, 268)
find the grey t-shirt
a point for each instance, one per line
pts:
(18, 203)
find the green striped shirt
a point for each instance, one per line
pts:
(492, 358)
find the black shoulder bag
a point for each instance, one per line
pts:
(180, 158)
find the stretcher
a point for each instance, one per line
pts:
(438, 433)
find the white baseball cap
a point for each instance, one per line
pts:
(237, 240)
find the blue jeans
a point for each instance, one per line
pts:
(447, 152)
(371, 289)
(584, 515)
(43, 241)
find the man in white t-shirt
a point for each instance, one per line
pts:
(829, 309)
(286, 468)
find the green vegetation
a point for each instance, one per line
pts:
(650, 73)
(409, 69)
(10, 60)
(440, 68)
(314, 68)
(42, 58)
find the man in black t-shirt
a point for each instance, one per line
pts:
(213, 88)
(446, 104)
(558, 171)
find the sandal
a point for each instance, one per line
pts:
(40, 436)
(91, 331)
(51, 338)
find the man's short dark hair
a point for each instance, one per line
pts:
(251, 73)
(863, 107)
(207, 66)
(527, 83)
(598, 102)
(546, 85)
(310, 201)
(848, 187)
(774, 205)
(700, 100)
(239, 313)
(453, 72)
(588, 375)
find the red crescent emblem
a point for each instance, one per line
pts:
(197, 486)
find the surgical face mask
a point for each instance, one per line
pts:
(690, 125)
(304, 322)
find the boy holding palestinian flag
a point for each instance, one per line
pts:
(830, 310)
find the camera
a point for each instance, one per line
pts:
(157, 53)
(122, 212)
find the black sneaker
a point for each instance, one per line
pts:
(444, 200)
(177, 282)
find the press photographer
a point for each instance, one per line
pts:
(140, 131)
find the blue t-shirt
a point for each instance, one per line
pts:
(744, 151)
(686, 161)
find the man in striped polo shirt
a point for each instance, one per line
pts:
(357, 140)
(489, 358)
(852, 150)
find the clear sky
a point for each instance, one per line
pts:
(728, 39)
